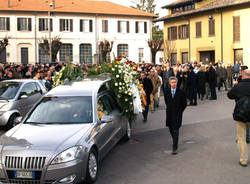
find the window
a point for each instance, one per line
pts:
(86, 53)
(86, 26)
(66, 25)
(122, 50)
(105, 26)
(29, 89)
(66, 53)
(212, 27)
(24, 24)
(172, 33)
(141, 27)
(44, 26)
(173, 58)
(236, 29)
(198, 29)
(123, 26)
(183, 31)
(4, 23)
(141, 54)
(184, 57)
(43, 56)
(238, 55)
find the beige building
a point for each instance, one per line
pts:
(207, 31)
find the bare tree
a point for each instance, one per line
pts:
(3, 44)
(56, 45)
(105, 47)
(156, 43)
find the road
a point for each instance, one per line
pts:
(208, 152)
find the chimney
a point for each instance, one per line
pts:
(54, 4)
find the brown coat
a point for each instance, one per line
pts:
(156, 83)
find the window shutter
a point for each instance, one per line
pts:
(179, 32)
(145, 28)
(40, 25)
(119, 26)
(18, 24)
(128, 27)
(90, 26)
(29, 24)
(51, 24)
(169, 38)
(175, 33)
(106, 26)
(81, 25)
(71, 25)
(198, 29)
(187, 27)
(8, 23)
(61, 25)
(103, 26)
(136, 27)
(213, 27)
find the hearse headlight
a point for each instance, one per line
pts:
(68, 155)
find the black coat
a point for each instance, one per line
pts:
(240, 90)
(192, 80)
(175, 107)
(201, 78)
(148, 87)
(212, 77)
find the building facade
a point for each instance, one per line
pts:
(207, 31)
(80, 24)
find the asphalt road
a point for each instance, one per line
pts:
(208, 152)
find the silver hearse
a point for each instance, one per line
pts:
(64, 136)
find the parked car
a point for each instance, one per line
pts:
(16, 98)
(65, 135)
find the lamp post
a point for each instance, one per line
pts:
(49, 29)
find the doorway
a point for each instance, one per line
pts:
(24, 55)
(207, 57)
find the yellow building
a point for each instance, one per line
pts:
(207, 31)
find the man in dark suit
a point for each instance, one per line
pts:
(148, 87)
(176, 103)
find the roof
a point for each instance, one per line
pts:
(21, 80)
(177, 3)
(218, 4)
(86, 87)
(73, 6)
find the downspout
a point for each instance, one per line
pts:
(35, 37)
(189, 49)
(96, 40)
(221, 15)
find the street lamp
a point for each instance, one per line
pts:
(49, 29)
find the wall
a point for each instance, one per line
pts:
(19, 38)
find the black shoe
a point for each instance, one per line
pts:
(242, 164)
(191, 104)
(195, 104)
(145, 120)
(174, 152)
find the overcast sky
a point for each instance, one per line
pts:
(159, 4)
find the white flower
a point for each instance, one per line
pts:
(120, 71)
(113, 69)
(120, 83)
(126, 111)
(120, 88)
(117, 76)
(116, 84)
(126, 100)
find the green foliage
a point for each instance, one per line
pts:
(103, 68)
(67, 74)
(146, 5)
(157, 33)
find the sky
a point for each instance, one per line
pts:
(159, 4)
